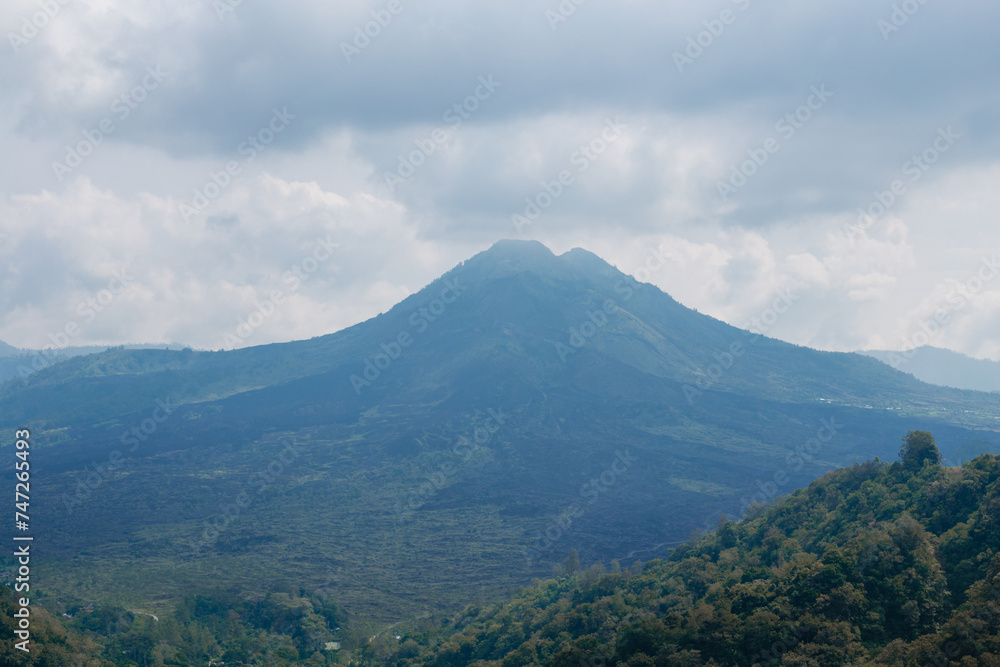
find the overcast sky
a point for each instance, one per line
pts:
(217, 154)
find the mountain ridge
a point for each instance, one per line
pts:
(508, 259)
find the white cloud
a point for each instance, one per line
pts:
(194, 281)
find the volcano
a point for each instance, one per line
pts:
(522, 405)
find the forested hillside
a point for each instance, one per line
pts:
(875, 564)
(284, 627)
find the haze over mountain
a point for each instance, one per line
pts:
(521, 405)
(20, 362)
(943, 367)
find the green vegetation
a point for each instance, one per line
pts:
(874, 564)
(52, 645)
(918, 450)
(284, 627)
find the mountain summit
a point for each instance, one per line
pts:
(521, 405)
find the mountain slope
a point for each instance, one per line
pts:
(522, 405)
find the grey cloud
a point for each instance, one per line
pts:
(228, 73)
(687, 129)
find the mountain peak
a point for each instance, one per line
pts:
(586, 260)
(518, 252)
(511, 256)
(515, 256)
(520, 246)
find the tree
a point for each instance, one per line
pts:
(918, 447)
(726, 532)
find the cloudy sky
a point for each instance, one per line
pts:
(172, 167)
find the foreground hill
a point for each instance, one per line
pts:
(870, 565)
(522, 405)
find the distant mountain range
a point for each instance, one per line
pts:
(17, 362)
(522, 405)
(943, 367)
